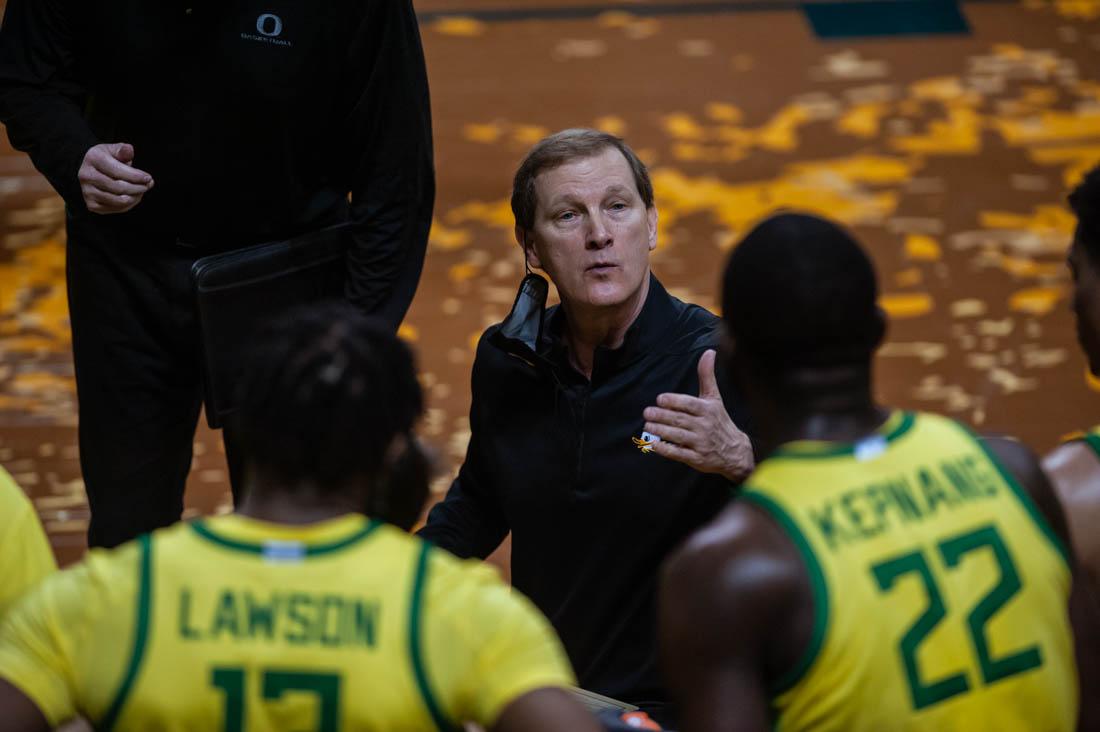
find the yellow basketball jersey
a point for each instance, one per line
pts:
(940, 591)
(234, 624)
(25, 554)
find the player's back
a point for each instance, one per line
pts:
(940, 592)
(235, 624)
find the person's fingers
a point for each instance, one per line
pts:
(115, 187)
(101, 202)
(669, 417)
(112, 168)
(683, 403)
(684, 438)
(708, 381)
(675, 452)
(122, 151)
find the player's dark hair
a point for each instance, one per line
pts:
(324, 393)
(1085, 202)
(799, 291)
(561, 148)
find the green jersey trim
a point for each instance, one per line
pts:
(819, 587)
(892, 429)
(1023, 497)
(141, 632)
(416, 616)
(203, 529)
(1093, 440)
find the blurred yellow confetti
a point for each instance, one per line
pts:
(484, 133)
(611, 124)
(463, 271)
(908, 277)
(922, 248)
(959, 134)
(1045, 220)
(943, 89)
(33, 287)
(833, 188)
(1049, 126)
(459, 26)
(683, 126)
(408, 332)
(1077, 159)
(863, 120)
(1026, 267)
(780, 133)
(1036, 300)
(33, 382)
(447, 239)
(528, 135)
(723, 112)
(906, 305)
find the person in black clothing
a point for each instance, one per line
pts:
(174, 130)
(588, 442)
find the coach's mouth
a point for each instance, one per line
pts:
(601, 267)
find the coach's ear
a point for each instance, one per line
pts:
(525, 240)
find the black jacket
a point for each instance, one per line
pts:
(551, 459)
(255, 118)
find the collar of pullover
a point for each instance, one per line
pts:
(643, 336)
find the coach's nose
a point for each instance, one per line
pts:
(599, 233)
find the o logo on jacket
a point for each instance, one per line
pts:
(276, 25)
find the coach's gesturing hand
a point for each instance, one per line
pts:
(108, 182)
(698, 431)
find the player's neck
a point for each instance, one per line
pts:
(295, 505)
(835, 422)
(832, 406)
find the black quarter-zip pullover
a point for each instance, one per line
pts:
(551, 459)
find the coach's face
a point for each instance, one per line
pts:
(592, 233)
(1086, 301)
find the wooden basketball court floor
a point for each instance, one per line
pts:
(949, 156)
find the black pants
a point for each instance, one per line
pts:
(136, 355)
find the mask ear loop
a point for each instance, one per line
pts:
(526, 263)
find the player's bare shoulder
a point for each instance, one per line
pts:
(1074, 470)
(741, 572)
(742, 549)
(1022, 464)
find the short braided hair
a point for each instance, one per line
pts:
(324, 393)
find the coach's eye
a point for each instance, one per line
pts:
(567, 216)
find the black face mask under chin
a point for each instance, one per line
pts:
(400, 491)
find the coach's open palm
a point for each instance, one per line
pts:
(698, 430)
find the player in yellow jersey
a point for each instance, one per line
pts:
(25, 554)
(1075, 466)
(297, 612)
(881, 570)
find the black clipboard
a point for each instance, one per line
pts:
(236, 292)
